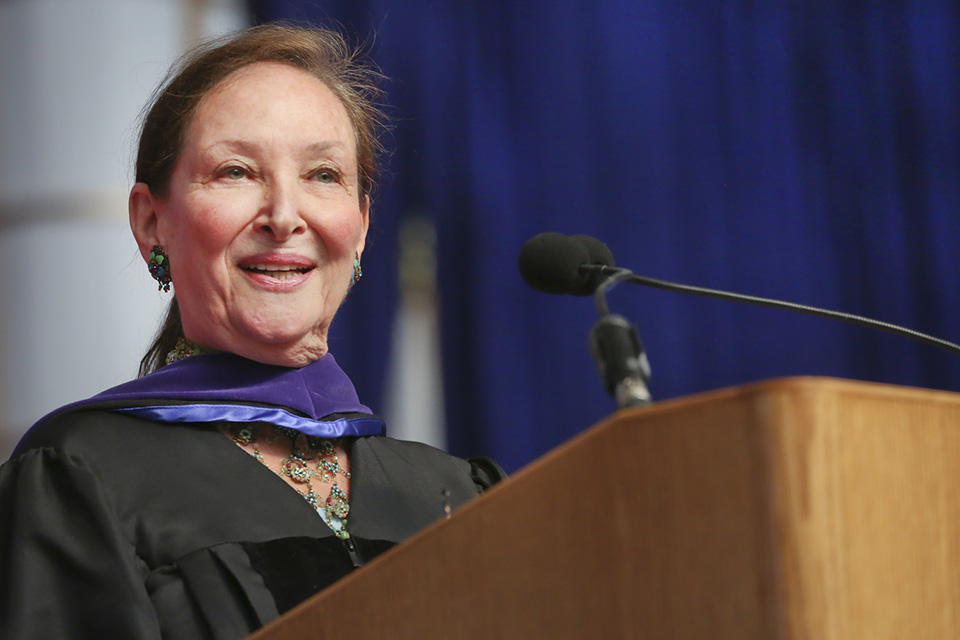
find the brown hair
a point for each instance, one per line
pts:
(322, 53)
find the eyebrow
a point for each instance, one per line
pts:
(245, 146)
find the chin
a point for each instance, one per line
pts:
(284, 355)
(271, 337)
(283, 347)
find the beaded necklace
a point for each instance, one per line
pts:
(183, 349)
(304, 449)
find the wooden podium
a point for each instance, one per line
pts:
(791, 509)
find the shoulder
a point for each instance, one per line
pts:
(119, 449)
(110, 449)
(424, 459)
(87, 434)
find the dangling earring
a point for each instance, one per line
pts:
(159, 266)
(357, 271)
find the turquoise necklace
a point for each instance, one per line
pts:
(322, 452)
(305, 449)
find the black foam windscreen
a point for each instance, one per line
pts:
(550, 262)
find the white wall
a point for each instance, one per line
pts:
(77, 307)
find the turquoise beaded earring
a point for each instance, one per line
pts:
(357, 271)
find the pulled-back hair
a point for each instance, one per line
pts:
(322, 53)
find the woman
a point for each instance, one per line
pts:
(243, 474)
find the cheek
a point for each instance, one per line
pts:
(350, 230)
(348, 236)
(199, 236)
(340, 236)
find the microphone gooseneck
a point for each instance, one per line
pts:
(625, 275)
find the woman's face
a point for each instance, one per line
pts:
(262, 218)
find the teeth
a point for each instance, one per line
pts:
(277, 271)
(272, 267)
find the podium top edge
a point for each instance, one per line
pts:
(801, 384)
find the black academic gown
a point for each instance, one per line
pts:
(112, 526)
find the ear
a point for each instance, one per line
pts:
(364, 224)
(143, 218)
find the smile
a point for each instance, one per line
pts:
(280, 272)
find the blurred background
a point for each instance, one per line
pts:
(802, 150)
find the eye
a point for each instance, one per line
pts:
(327, 176)
(235, 173)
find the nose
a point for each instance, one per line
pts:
(281, 215)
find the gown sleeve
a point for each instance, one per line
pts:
(485, 472)
(66, 568)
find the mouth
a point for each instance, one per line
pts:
(278, 272)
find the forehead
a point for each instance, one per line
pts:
(266, 99)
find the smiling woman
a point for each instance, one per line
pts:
(242, 474)
(264, 213)
(336, 70)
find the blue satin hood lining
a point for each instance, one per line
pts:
(337, 428)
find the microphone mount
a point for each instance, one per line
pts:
(617, 349)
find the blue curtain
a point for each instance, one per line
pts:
(801, 150)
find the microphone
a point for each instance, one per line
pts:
(608, 275)
(551, 262)
(554, 263)
(581, 265)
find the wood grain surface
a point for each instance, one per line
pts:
(793, 509)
